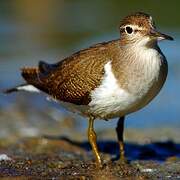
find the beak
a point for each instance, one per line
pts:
(159, 36)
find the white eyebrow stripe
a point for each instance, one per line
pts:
(134, 27)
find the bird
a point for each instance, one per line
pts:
(107, 80)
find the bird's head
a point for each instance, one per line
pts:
(139, 28)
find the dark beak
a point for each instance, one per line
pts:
(159, 36)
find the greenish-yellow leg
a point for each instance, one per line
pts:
(92, 140)
(120, 131)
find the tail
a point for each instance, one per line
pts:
(11, 90)
(22, 87)
(33, 78)
(34, 75)
(30, 75)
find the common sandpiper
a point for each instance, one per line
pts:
(107, 80)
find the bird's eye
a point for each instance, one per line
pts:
(129, 29)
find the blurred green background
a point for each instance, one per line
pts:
(33, 30)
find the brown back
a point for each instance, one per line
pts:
(73, 79)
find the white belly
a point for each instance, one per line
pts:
(109, 100)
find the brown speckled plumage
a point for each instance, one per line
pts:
(139, 19)
(73, 79)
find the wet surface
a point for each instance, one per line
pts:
(61, 157)
(38, 141)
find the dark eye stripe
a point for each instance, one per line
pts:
(136, 30)
(139, 30)
(122, 30)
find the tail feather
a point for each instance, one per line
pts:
(22, 87)
(11, 90)
(33, 79)
(30, 74)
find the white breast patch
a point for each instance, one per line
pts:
(109, 99)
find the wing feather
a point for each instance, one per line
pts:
(72, 79)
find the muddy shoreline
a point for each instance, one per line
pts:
(51, 157)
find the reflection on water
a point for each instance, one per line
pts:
(51, 30)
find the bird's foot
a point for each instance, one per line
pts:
(123, 160)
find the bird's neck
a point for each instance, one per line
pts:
(137, 61)
(144, 42)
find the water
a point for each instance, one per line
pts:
(31, 32)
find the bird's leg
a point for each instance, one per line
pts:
(92, 140)
(120, 131)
